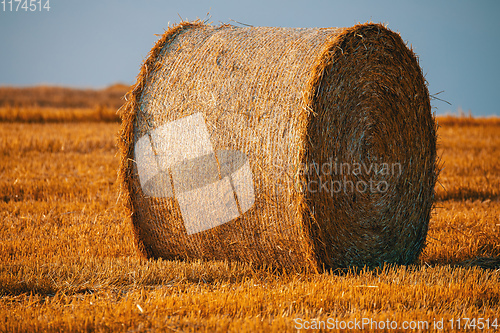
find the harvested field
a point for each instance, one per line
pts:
(69, 262)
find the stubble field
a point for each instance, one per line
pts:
(69, 263)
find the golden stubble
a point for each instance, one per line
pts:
(69, 263)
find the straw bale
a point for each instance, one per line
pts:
(296, 148)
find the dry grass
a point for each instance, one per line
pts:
(57, 115)
(46, 104)
(69, 263)
(62, 97)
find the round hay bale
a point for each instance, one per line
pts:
(286, 147)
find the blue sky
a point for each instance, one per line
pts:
(98, 43)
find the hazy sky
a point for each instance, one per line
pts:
(97, 43)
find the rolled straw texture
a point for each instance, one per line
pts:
(345, 107)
